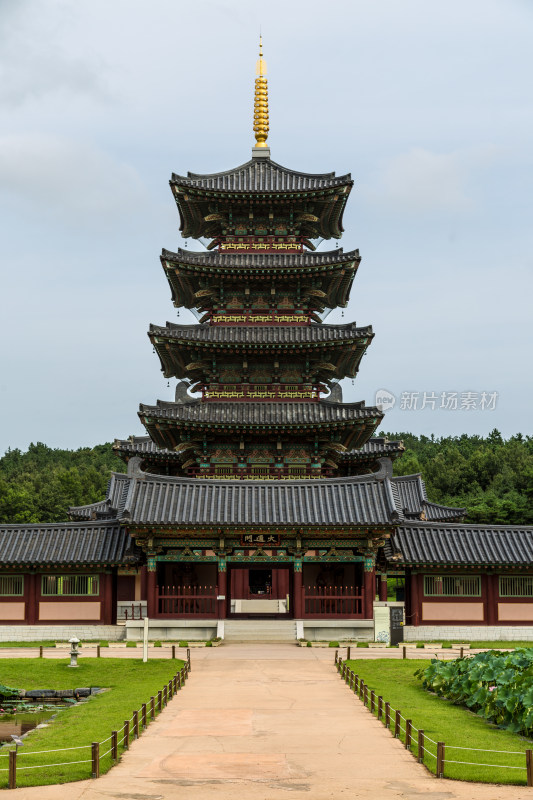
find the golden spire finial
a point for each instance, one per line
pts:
(261, 100)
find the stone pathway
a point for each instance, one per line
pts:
(265, 722)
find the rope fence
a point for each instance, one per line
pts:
(131, 729)
(392, 717)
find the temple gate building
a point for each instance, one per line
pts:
(258, 493)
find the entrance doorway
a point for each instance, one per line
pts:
(256, 591)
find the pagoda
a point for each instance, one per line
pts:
(258, 493)
(263, 366)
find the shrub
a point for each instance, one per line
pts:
(497, 686)
(209, 644)
(184, 644)
(334, 644)
(308, 644)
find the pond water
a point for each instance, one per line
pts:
(21, 723)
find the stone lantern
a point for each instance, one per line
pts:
(74, 652)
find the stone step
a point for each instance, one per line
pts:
(259, 630)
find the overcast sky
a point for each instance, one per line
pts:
(427, 104)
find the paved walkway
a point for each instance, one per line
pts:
(262, 722)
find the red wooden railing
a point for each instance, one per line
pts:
(332, 601)
(186, 601)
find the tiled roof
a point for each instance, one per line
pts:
(143, 446)
(214, 258)
(228, 413)
(68, 543)
(262, 334)
(105, 509)
(433, 544)
(377, 447)
(412, 492)
(157, 500)
(414, 501)
(261, 175)
(434, 512)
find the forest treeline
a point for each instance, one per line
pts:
(490, 476)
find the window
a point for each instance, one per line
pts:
(452, 585)
(516, 585)
(70, 585)
(11, 585)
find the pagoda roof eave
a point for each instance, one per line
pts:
(263, 176)
(262, 261)
(178, 346)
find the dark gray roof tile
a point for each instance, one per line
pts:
(68, 543)
(262, 334)
(215, 258)
(456, 545)
(261, 175)
(260, 413)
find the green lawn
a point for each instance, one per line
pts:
(130, 683)
(444, 722)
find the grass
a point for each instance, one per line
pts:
(130, 683)
(50, 643)
(444, 722)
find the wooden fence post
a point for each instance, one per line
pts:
(404, 652)
(387, 715)
(188, 659)
(126, 737)
(529, 767)
(174, 684)
(173, 651)
(98, 651)
(420, 754)
(159, 700)
(170, 690)
(135, 721)
(114, 745)
(408, 733)
(372, 701)
(336, 656)
(380, 707)
(365, 696)
(40, 651)
(362, 685)
(440, 759)
(348, 653)
(356, 683)
(152, 707)
(343, 673)
(143, 715)
(397, 724)
(12, 779)
(461, 652)
(95, 759)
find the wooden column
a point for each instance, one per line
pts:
(32, 611)
(383, 588)
(151, 588)
(297, 587)
(416, 607)
(106, 594)
(369, 587)
(222, 583)
(491, 599)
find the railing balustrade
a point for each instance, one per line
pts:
(332, 601)
(185, 601)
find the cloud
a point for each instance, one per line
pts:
(422, 181)
(68, 180)
(34, 62)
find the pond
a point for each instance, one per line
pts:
(22, 722)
